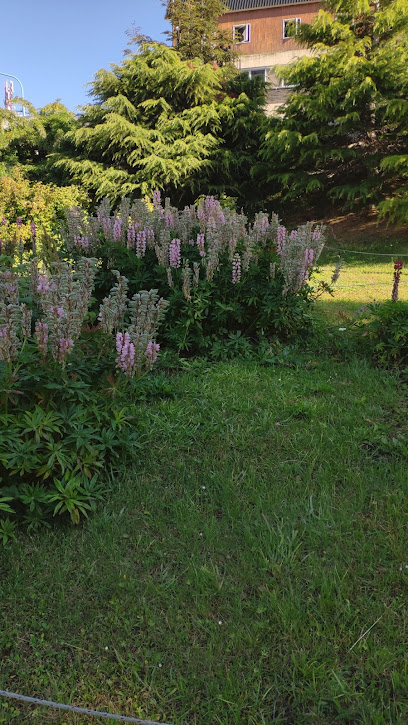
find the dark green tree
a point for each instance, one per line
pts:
(342, 135)
(195, 31)
(161, 122)
(243, 129)
(29, 141)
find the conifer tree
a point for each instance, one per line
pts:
(159, 122)
(343, 132)
(195, 31)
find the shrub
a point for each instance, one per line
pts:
(68, 397)
(222, 275)
(28, 202)
(386, 328)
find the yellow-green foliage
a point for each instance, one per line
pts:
(43, 204)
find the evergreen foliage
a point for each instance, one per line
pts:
(159, 122)
(30, 140)
(195, 31)
(343, 131)
(243, 129)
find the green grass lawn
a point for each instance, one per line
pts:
(249, 569)
(367, 274)
(359, 284)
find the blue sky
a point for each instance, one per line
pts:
(56, 46)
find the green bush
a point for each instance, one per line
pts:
(62, 434)
(225, 278)
(386, 329)
(68, 399)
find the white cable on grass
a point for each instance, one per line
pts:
(82, 710)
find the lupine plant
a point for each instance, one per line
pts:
(221, 273)
(66, 386)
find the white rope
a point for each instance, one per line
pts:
(375, 254)
(82, 710)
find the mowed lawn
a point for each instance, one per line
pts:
(359, 284)
(367, 273)
(249, 568)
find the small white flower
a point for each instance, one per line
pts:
(106, 648)
(201, 533)
(220, 621)
(342, 329)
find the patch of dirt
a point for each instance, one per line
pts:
(359, 229)
(365, 229)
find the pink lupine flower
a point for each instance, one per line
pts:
(309, 257)
(150, 236)
(316, 235)
(200, 244)
(307, 264)
(131, 236)
(152, 351)
(81, 242)
(19, 221)
(141, 244)
(117, 229)
(106, 226)
(65, 345)
(280, 238)
(125, 360)
(156, 198)
(236, 269)
(264, 224)
(175, 253)
(41, 333)
(4, 221)
(209, 203)
(43, 284)
(293, 234)
(119, 342)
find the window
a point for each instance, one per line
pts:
(240, 33)
(290, 26)
(251, 73)
(283, 84)
(258, 72)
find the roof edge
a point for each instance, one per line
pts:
(279, 4)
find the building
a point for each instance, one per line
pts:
(261, 33)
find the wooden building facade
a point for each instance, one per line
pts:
(261, 30)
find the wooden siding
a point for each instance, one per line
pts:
(266, 26)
